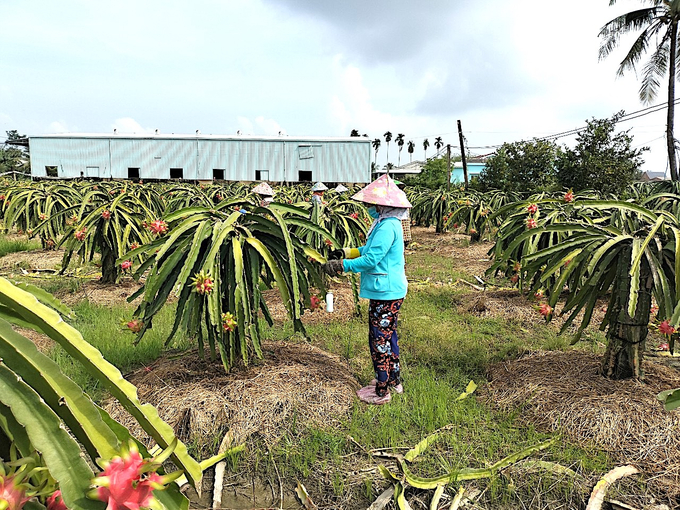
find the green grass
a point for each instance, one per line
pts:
(58, 285)
(14, 245)
(102, 326)
(423, 264)
(442, 349)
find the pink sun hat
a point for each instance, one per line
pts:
(383, 191)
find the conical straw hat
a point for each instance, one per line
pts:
(319, 186)
(340, 188)
(383, 191)
(263, 189)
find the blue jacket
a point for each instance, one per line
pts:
(381, 262)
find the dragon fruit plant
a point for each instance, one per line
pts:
(45, 411)
(580, 249)
(219, 259)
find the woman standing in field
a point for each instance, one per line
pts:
(383, 282)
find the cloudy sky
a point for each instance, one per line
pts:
(508, 71)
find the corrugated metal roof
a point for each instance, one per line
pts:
(201, 136)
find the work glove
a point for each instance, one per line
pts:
(336, 255)
(333, 267)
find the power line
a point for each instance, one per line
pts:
(624, 118)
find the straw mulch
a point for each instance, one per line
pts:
(343, 306)
(517, 308)
(294, 383)
(32, 260)
(104, 294)
(42, 342)
(561, 391)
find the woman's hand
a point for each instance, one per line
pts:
(333, 267)
(336, 254)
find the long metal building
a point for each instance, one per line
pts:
(201, 157)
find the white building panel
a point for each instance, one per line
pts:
(201, 157)
(72, 157)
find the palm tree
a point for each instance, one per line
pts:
(426, 144)
(376, 146)
(438, 143)
(410, 148)
(400, 144)
(659, 25)
(388, 138)
(355, 132)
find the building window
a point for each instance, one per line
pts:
(177, 173)
(218, 174)
(306, 151)
(261, 175)
(305, 175)
(51, 171)
(133, 173)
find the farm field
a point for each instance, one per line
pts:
(296, 412)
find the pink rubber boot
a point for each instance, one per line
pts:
(367, 394)
(397, 389)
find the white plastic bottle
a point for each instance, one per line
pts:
(329, 302)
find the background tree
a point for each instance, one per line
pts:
(438, 143)
(526, 166)
(426, 144)
(601, 159)
(14, 153)
(376, 146)
(400, 144)
(355, 132)
(11, 159)
(388, 139)
(659, 25)
(433, 174)
(410, 147)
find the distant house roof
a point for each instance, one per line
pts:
(653, 176)
(413, 168)
(476, 165)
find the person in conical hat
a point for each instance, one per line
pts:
(383, 282)
(263, 189)
(340, 188)
(266, 193)
(317, 192)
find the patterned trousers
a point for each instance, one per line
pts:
(383, 342)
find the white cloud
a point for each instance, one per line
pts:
(244, 125)
(60, 126)
(130, 125)
(351, 107)
(268, 126)
(260, 126)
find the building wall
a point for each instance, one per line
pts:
(279, 159)
(474, 169)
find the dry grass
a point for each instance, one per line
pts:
(43, 342)
(561, 391)
(294, 383)
(102, 293)
(471, 258)
(32, 260)
(511, 305)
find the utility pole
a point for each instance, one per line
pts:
(462, 153)
(448, 166)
